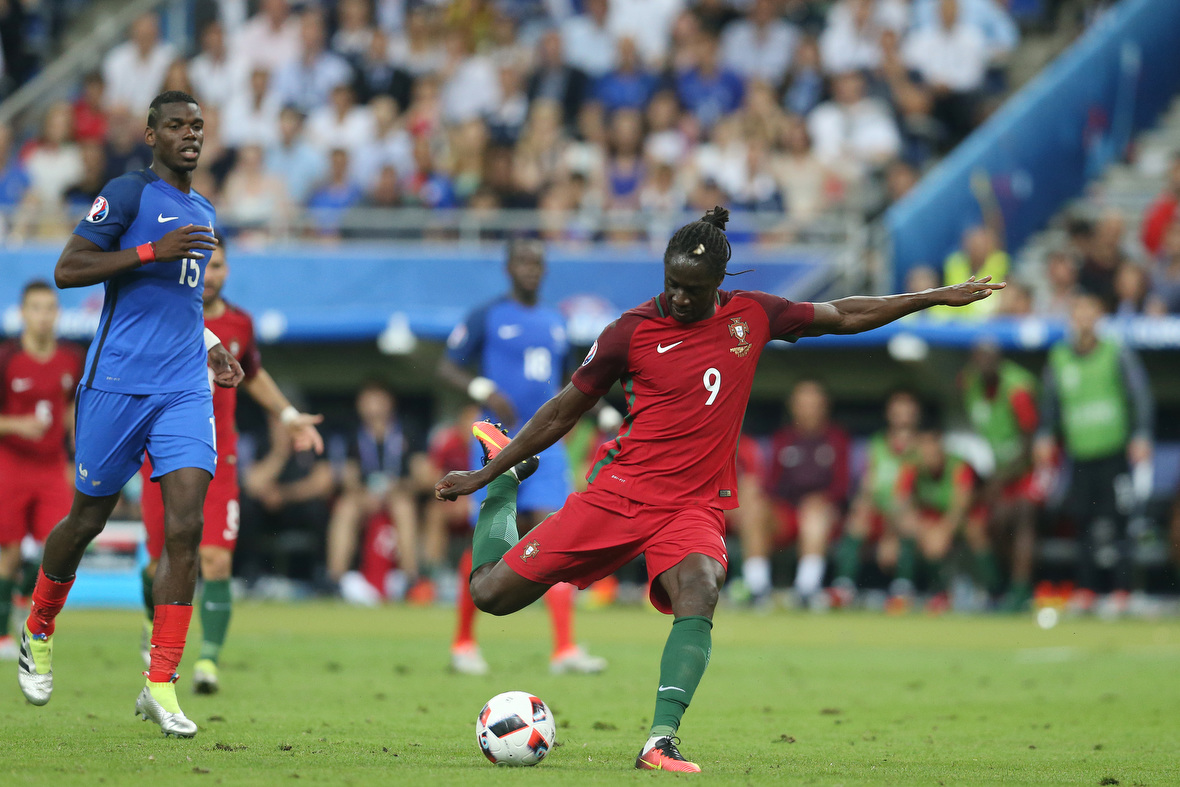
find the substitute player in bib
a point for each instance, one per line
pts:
(686, 361)
(144, 386)
(235, 328)
(37, 379)
(519, 348)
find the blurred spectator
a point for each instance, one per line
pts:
(468, 145)
(354, 29)
(125, 150)
(624, 167)
(216, 159)
(285, 497)
(1104, 257)
(216, 75)
(389, 145)
(376, 75)
(424, 115)
(709, 90)
(805, 182)
(951, 57)
(981, 255)
(922, 278)
(90, 117)
(1061, 278)
(53, 162)
(648, 22)
(852, 133)
(306, 81)
(176, 78)
(1165, 278)
(913, 101)
(808, 481)
(540, 150)
(660, 197)
(553, 80)
(589, 43)
(80, 196)
(665, 140)
(989, 17)
(1162, 213)
(1132, 283)
(507, 121)
(471, 87)
(900, 179)
(293, 158)
(508, 45)
(805, 81)
(270, 38)
(341, 123)
(759, 46)
(418, 49)
(328, 203)
(804, 15)
(429, 187)
(852, 39)
(722, 159)
(134, 70)
(716, 15)
(254, 201)
(14, 180)
(375, 483)
(252, 115)
(386, 191)
(17, 60)
(629, 85)
(500, 179)
(760, 190)
(1016, 300)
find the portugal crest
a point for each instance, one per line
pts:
(739, 330)
(530, 550)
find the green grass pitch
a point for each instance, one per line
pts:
(327, 694)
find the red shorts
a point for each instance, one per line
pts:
(222, 512)
(598, 532)
(34, 496)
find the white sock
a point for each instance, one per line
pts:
(756, 574)
(809, 575)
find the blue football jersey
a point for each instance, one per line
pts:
(149, 337)
(522, 349)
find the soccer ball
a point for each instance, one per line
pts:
(515, 728)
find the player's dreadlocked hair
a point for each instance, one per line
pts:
(703, 239)
(167, 97)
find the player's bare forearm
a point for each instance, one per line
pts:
(83, 263)
(862, 313)
(264, 390)
(453, 374)
(301, 426)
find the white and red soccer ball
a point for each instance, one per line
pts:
(515, 728)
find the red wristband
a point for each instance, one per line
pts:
(146, 252)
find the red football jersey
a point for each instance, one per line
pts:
(687, 387)
(236, 331)
(29, 386)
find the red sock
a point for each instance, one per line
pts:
(465, 632)
(560, 600)
(48, 599)
(169, 631)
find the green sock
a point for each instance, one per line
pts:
(7, 587)
(495, 530)
(686, 654)
(149, 605)
(907, 558)
(216, 608)
(848, 557)
(28, 577)
(988, 570)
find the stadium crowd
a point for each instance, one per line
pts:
(786, 107)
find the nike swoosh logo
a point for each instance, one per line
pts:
(671, 688)
(162, 218)
(661, 349)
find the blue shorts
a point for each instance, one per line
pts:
(114, 429)
(545, 490)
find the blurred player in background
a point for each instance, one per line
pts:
(872, 513)
(1096, 395)
(999, 396)
(686, 361)
(519, 351)
(145, 386)
(935, 505)
(754, 523)
(808, 483)
(37, 379)
(222, 511)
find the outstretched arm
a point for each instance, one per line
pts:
(864, 313)
(555, 418)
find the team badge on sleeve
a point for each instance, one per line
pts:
(99, 210)
(590, 355)
(739, 330)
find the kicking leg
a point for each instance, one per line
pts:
(495, 588)
(693, 586)
(63, 551)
